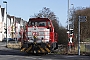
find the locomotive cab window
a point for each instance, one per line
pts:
(36, 23)
(42, 23)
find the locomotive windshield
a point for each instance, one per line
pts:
(36, 23)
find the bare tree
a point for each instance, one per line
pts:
(47, 13)
(85, 28)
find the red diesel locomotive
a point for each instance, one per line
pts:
(39, 36)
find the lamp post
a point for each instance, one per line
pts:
(6, 19)
(73, 14)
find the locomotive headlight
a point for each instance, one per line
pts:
(30, 39)
(42, 39)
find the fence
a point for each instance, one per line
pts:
(84, 49)
(87, 48)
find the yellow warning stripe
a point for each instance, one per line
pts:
(47, 49)
(22, 49)
(49, 45)
(38, 51)
(42, 49)
(28, 48)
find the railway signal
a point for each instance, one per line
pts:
(70, 41)
(81, 19)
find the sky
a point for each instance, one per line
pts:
(27, 8)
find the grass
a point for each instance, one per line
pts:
(73, 50)
(82, 47)
(87, 40)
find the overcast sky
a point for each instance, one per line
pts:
(26, 8)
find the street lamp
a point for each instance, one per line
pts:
(6, 19)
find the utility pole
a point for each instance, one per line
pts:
(68, 14)
(69, 44)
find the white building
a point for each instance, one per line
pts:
(8, 26)
(17, 20)
(2, 22)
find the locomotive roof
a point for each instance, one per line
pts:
(39, 19)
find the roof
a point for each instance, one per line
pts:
(9, 16)
(18, 19)
(12, 17)
(39, 19)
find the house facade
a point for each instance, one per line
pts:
(13, 25)
(3, 24)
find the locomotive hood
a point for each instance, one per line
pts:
(38, 34)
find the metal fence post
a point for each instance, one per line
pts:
(79, 36)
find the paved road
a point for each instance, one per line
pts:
(11, 54)
(2, 43)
